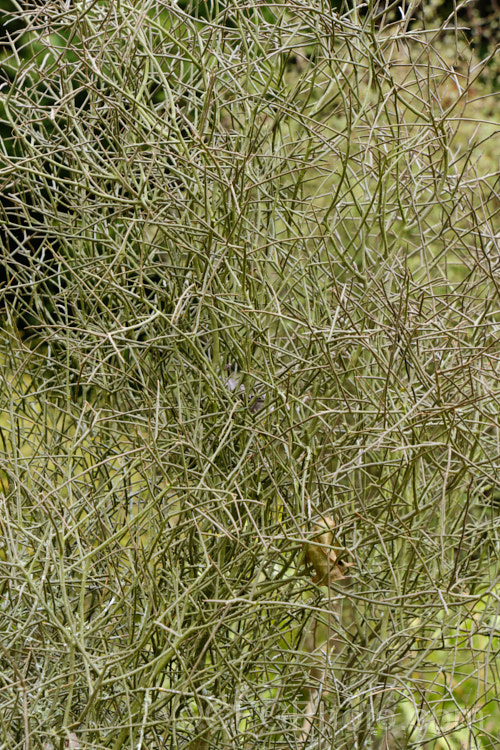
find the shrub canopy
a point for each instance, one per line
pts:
(250, 292)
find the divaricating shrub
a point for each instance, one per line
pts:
(249, 408)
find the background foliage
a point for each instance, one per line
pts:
(250, 282)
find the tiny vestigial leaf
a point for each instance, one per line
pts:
(324, 553)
